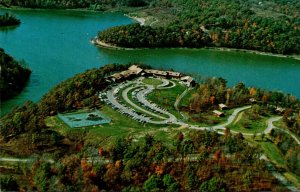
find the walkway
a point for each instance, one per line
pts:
(178, 101)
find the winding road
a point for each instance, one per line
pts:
(272, 126)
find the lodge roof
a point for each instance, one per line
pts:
(187, 78)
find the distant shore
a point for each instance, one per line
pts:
(296, 57)
(107, 45)
(142, 21)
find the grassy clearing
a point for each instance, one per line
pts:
(57, 124)
(120, 126)
(293, 179)
(244, 123)
(207, 119)
(167, 97)
(152, 81)
(279, 124)
(185, 101)
(272, 153)
(164, 15)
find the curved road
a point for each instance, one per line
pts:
(271, 126)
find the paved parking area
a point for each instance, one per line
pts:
(145, 111)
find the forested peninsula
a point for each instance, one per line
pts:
(76, 160)
(271, 26)
(13, 77)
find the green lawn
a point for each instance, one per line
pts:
(279, 124)
(185, 101)
(152, 81)
(293, 179)
(272, 153)
(167, 97)
(247, 125)
(120, 126)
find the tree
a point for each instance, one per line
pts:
(214, 184)
(292, 158)
(153, 183)
(8, 183)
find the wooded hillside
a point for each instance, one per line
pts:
(269, 26)
(13, 76)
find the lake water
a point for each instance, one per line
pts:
(55, 45)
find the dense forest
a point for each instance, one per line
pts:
(200, 161)
(8, 20)
(213, 91)
(13, 76)
(288, 148)
(271, 26)
(144, 36)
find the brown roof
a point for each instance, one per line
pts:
(156, 72)
(187, 78)
(127, 73)
(219, 113)
(174, 74)
(116, 75)
(223, 106)
(135, 68)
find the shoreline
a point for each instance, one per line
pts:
(109, 46)
(98, 43)
(142, 21)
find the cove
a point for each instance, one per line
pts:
(55, 45)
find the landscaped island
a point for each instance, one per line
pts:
(13, 77)
(8, 20)
(163, 131)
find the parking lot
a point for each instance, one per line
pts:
(137, 107)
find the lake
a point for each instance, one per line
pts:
(55, 45)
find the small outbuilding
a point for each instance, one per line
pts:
(223, 106)
(252, 100)
(280, 110)
(188, 81)
(218, 113)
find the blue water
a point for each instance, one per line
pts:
(55, 45)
